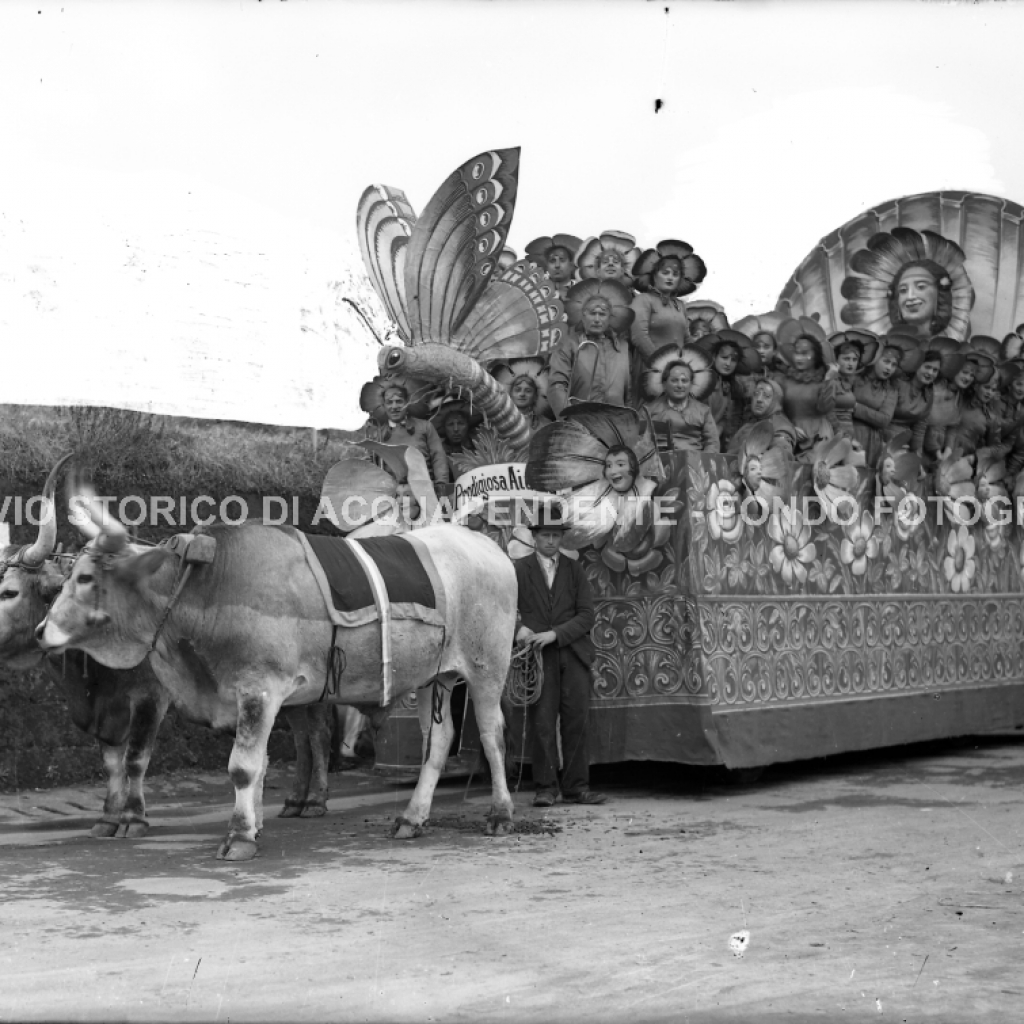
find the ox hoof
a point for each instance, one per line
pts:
(104, 830)
(499, 826)
(403, 828)
(132, 829)
(313, 810)
(237, 848)
(291, 809)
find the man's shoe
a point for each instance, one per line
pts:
(545, 798)
(586, 796)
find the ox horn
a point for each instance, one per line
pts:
(46, 539)
(110, 535)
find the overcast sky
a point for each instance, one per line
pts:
(136, 128)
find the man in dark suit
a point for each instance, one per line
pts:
(557, 614)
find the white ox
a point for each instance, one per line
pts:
(249, 634)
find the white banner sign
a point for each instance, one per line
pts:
(505, 479)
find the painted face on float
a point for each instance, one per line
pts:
(666, 280)
(618, 473)
(456, 427)
(887, 365)
(610, 266)
(596, 316)
(678, 382)
(765, 345)
(927, 373)
(395, 405)
(726, 361)
(965, 378)
(849, 361)
(804, 354)
(888, 472)
(524, 394)
(560, 266)
(752, 473)
(761, 400)
(699, 329)
(917, 297)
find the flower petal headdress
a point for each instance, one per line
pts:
(619, 242)
(618, 298)
(692, 266)
(697, 360)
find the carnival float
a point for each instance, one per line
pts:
(840, 568)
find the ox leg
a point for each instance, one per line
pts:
(492, 735)
(147, 715)
(298, 722)
(246, 766)
(117, 791)
(320, 719)
(437, 741)
(258, 798)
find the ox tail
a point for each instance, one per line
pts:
(442, 364)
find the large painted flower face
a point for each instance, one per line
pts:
(917, 296)
(604, 462)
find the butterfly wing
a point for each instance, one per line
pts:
(457, 242)
(518, 314)
(384, 224)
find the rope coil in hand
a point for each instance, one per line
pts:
(525, 676)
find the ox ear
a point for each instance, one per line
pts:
(136, 567)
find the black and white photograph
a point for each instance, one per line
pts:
(512, 510)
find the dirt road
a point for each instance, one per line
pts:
(876, 887)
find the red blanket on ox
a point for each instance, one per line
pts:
(401, 565)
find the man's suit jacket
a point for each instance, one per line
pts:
(567, 607)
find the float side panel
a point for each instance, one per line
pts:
(759, 736)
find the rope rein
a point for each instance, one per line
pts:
(525, 676)
(335, 668)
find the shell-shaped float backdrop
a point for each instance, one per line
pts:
(975, 236)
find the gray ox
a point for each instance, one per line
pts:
(249, 634)
(121, 709)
